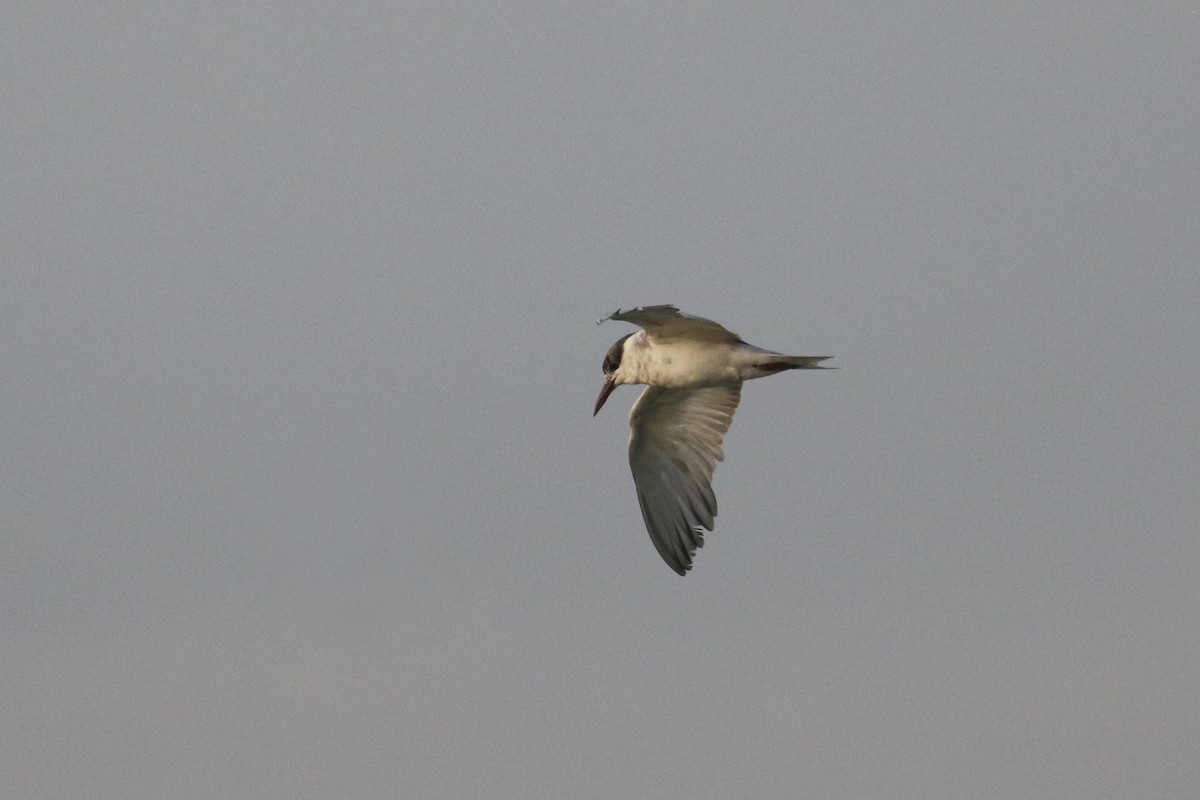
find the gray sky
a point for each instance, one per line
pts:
(302, 496)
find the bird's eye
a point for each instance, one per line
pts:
(612, 359)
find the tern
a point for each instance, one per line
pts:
(693, 369)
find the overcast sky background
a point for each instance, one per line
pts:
(302, 496)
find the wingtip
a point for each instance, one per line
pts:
(668, 307)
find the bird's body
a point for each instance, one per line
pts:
(683, 363)
(694, 369)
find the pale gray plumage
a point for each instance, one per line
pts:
(694, 369)
(674, 447)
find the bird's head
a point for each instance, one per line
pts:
(611, 365)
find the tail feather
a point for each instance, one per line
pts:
(807, 362)
(778, 363)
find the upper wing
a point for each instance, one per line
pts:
(666, 322)
(674, 447)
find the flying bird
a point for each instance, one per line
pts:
(693, 369)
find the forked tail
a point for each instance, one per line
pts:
(780, 363)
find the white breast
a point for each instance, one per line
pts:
(676, 364)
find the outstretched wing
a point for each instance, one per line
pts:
(663, 323)
(674, 447)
